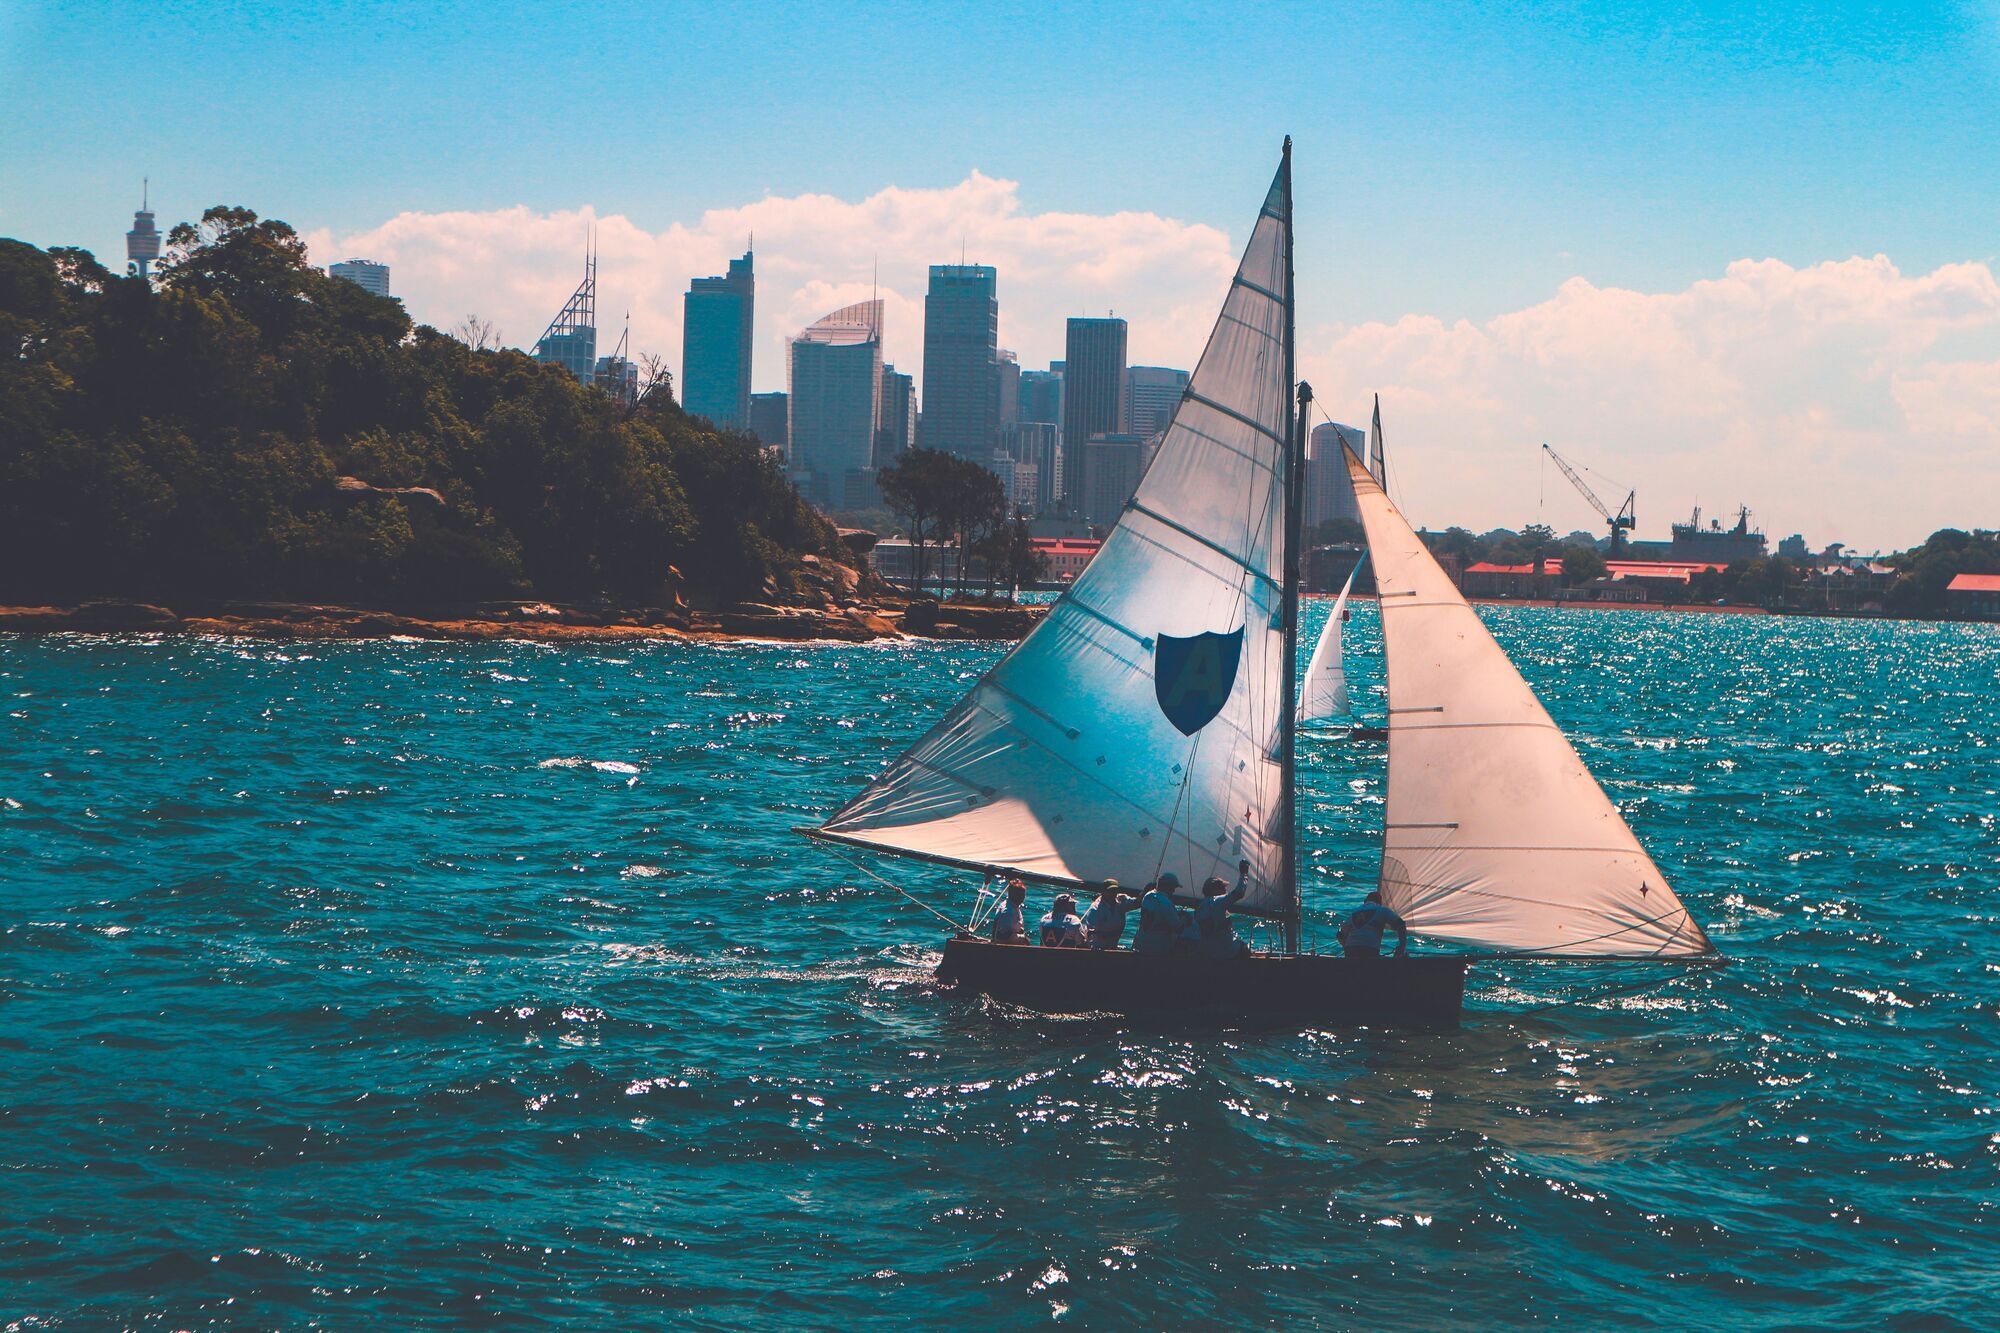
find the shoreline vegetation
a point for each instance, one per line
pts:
(268, 450)
(884, 620)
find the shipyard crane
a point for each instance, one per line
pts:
(1621, 522)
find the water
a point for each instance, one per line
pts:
(417, 985)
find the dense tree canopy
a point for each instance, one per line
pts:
(183, 440)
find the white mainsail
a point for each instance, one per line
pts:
(1141, 727)
(1495, 834)
(1324, 694)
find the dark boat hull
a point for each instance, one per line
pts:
(1421, 991)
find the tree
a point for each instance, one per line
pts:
(1340, 532)
(202, 439)
(481, 335)
(1581, 564)
(1020, 563)
(975, 507)
(917, 489)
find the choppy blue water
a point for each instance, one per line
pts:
(400, 984)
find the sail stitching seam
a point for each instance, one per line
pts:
(1193, 536)
(1249, 421)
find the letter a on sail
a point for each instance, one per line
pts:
(1193, 676)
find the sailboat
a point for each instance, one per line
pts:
(1325, 694)
(1148, 724)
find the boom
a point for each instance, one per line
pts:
(1621, 522)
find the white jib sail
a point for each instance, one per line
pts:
(1495, 834)
(1324, 694)
(1136, 730)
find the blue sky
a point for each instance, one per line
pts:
(1455, 158)
(1458, 161)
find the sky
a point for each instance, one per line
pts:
(1718, 253)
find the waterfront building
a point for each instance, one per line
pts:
(570, 341)
(1973, 596)
(1093, 397)
(1112, 465)
(142, 243)
(1151, 395)
(836, 405)
(1329, 489)
(770, 419)
(1038, 443)
(898, 429)
(717, 318)
(961, 345)
(363, 273)
(895, 559)
(1066, 556)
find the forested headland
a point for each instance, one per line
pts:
(245, 426)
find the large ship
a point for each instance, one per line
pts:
(1714, 543)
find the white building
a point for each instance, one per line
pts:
(836, 404)
(363, 273)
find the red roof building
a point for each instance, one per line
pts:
(1066, 555)
(1973, 596)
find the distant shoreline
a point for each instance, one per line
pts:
(539, 622)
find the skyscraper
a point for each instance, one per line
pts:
(142, 243)
(836, 405)
(717, 316)
(1151, 395)
(363, 273)
(1041, 396)
(1037, 443)
(1093, 397)
(771, 419)
(1006, 388)
(1112, 465)
(961, 340)
(1329, 490)
(571, 338)
(898, 428)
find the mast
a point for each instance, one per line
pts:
(1294, 516)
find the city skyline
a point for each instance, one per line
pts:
(1715, 256)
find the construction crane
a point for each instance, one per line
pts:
(1621, 522)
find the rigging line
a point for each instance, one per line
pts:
(906, 893)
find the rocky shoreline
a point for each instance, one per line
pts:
(540, 622)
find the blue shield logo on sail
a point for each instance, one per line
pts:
(1192, 677)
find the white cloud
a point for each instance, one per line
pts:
(1846, 399)
(814, 254)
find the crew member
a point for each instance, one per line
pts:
(1159, 919)
(1106, 918)
(1009, 926)
(1361, 934)
(1062, 928)
(1210, 932)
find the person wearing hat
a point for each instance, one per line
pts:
(1062, 928)
(1106, 917)
(1160, 921)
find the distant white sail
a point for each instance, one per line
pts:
(1324, 694)
(1138, 729)
(1495, 833)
